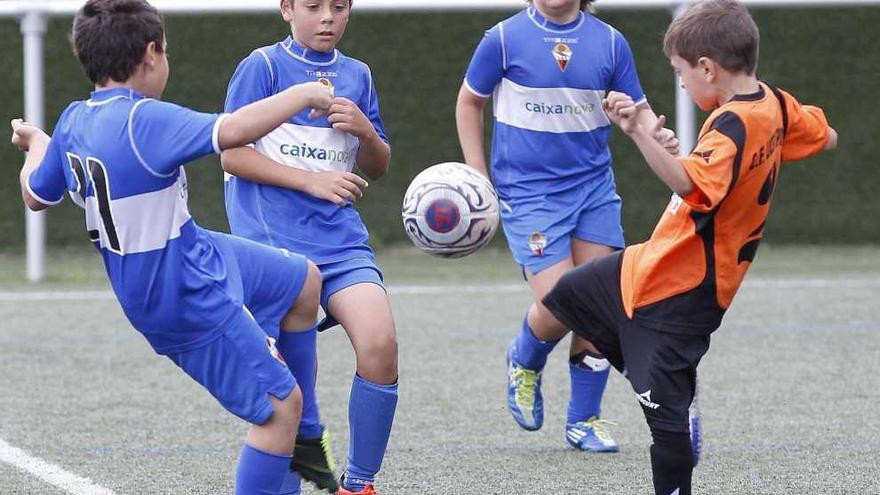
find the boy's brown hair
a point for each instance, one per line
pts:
(110, 37)
(722, 30)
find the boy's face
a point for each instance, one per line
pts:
(697, 81)
(557, 5)
(317, 24)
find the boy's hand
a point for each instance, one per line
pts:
(336, 187)
(345, 116)
(23, 134)
(621, 110)
(665, 137)
(320, 97)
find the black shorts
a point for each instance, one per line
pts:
(661, 366)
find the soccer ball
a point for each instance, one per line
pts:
(450, 210)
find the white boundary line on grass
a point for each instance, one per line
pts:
(449, 288)
(50, 473)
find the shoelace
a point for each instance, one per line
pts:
(598, 426)
(526, 382)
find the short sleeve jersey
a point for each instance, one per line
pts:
(293, 219)
(547, 82)
(120, 156)
(685, 276)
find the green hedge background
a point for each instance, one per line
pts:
(824, 56)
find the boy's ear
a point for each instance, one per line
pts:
(287, 10)
(708, 68)
(150, 53)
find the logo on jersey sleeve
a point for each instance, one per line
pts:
(537, 243)
(562, 54)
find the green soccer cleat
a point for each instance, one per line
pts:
(313, 460)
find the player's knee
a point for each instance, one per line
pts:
(312, 288)
(377, 358)
(671, 449)
(306, 305)
(287, 412)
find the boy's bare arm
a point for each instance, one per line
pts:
(35, 142)
(623, 112)
(337, 187)
(251, 122)
(469, 123)
(374, 154)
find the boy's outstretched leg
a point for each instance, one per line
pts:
(297, 344)
(364, 312)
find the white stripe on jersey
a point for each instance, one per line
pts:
(557, 110)
(317, 149)
(138, 224)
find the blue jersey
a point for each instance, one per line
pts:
(547, 82)
(292, 219)
(120, 157)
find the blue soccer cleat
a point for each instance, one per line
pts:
(591, 435)
(695, 428)
(524, 393)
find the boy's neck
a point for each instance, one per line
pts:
(736, 84)
(131, 83)
(303, 45)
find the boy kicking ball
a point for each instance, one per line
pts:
(651, 308)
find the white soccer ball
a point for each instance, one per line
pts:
(450, 210)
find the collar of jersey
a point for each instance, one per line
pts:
(757, 95)
(105, 95)
(548, 25)
(308, 56)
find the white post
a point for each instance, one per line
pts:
(33, 30)
(685, 113)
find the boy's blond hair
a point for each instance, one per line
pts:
(722, 30)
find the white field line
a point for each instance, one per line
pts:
(451, 289)
(50, 473)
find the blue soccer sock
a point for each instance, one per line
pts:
(299, 350)
(371, 410)
(260, 473)
(292, 484)
(531, 352)
(589, 375)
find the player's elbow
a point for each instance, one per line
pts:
(831, 143)
(232, 133)
(683, 186)
(32, 203)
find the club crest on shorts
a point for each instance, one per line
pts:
(273, 351)
(537, 243)
(562, 54)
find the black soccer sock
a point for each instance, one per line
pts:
(671, 463)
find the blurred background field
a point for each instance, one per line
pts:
(418, 61)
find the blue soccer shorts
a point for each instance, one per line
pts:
(241, 368)
(339, 275)
(539, 229)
